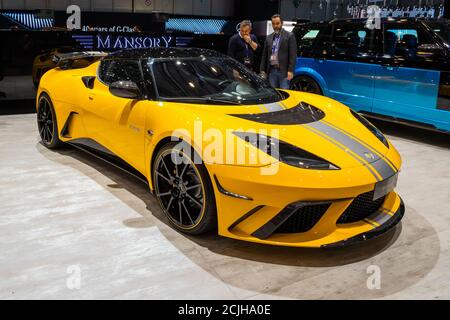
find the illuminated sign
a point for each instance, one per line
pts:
(109, 29)
(110, 42)
(117, 42)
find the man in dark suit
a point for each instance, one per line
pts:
(279, 55)
(242, 46)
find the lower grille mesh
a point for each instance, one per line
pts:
(361, 207)
(303, 219)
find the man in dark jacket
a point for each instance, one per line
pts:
(279, 55)
(242, 46)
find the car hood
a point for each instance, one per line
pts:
(316, 124)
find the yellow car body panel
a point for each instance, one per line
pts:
(132, 129)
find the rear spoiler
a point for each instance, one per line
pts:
(66, 60)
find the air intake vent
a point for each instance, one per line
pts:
(361, 207)
(303, 219)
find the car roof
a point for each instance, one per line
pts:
(171, 52)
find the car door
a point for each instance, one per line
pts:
(348, 64)
(407, 80)
(118, 123)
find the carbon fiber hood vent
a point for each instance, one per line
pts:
(303, 113)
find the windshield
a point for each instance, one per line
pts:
(217, 80)
(442, 29)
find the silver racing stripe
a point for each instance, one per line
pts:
(384, 169)
(344, 139)
(263, 110)
(359, 140)
(342, 148)
(379, 164)
(272, 107)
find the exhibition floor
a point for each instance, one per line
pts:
(63, 212)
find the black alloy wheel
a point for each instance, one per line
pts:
(184, 190)
(305, 84)
(46, 120)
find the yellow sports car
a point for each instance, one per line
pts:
(222, 150)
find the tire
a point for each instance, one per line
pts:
(47, 124)
(184, 191)
(305, 84)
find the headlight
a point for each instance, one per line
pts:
(286, 152)
(371, 127)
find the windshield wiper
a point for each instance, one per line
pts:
(202, 99)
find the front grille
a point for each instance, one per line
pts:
(303, 218)
(361, 207)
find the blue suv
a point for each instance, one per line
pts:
(399, 71)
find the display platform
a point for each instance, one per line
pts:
(69, 211)
(213, 153)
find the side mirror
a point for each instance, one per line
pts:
(125, 89)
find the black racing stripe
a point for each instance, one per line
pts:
(300, 114)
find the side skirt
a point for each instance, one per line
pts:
(100, 152)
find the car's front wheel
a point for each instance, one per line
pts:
(184, 190)
(47, 125)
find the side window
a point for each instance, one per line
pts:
(352, 40)
(311, 37)
(119, 70)
(306, 37)
(410, 41)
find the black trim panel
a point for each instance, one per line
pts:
(270, 227)
(88, 81)
(245, 216)
(303, 113)
(229, 193)
(95, 149)
(65, 129)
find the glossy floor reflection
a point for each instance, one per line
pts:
(64, 211)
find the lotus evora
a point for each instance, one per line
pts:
(222, 150)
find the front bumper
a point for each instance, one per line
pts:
(375, 233)
(258, 218)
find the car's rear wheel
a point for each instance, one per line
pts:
(184, 190)
(305, 84)
(47, 125)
